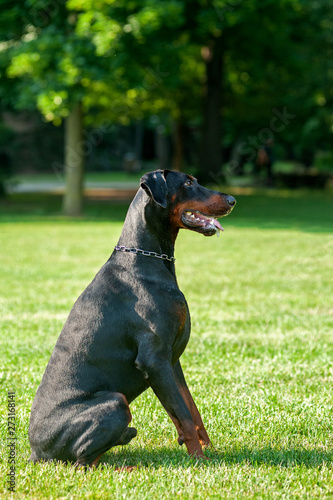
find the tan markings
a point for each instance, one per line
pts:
(94, 463)
(215, 206)
(181, 313)
(127, 468)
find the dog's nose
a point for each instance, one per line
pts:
(231, 200)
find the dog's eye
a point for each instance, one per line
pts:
(188, 183)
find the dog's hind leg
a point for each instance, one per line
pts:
(101, 426)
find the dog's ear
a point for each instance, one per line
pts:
(155, 185)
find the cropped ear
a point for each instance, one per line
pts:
(155, 185)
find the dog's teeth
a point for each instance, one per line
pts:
(193, 216)
(217, 232)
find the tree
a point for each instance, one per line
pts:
(48, 63)
(243, 56)
(67, 61)
(223, 66)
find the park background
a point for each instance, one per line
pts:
(92, 95)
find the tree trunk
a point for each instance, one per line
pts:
(74, 162)
(138, 140)
(178, 146)
(162, 148)
(211, 148)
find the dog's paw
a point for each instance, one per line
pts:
(181, 440)
(127, 436)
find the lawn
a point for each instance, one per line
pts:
(259, 362)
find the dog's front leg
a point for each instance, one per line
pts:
(184, 390)
(160, 375)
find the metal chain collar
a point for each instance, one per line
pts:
(162, 256)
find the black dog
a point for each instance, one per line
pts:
(127, 331)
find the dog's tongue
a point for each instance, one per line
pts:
(217, 225)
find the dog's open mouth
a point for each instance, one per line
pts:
(204, 224)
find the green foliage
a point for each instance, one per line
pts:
(92, 57)
(130, 60)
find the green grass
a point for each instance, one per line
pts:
(259, 362)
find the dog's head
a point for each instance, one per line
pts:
(186, 203)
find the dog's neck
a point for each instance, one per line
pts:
(139, 232)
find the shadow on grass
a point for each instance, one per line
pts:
(308, 211)
(38, 207)
(278, 457)
(301, 210)
(253, 457)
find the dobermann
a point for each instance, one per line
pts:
(126, 332)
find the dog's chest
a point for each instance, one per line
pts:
(163, 308)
